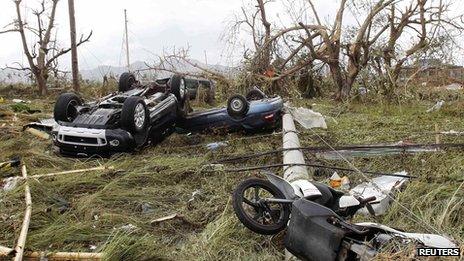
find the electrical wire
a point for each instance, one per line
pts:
(315, 166)
(349, 147)
(414, 216)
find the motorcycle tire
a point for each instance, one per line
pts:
(250, 222)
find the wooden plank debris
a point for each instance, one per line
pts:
(21, 244)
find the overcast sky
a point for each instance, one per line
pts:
(154, 25)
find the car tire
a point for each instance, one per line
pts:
(178, 88)
(250, 222)
(237, 106)
(255, 94)
(134, 115)
(66, 107)
(126, 81)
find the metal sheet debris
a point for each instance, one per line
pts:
(216, 145)
(383, 188)
(46, 125)
(371, 152)
(9, 184)
(307, 118)
(437, 106)
(429, 240)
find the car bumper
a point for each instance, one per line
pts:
(86, 141)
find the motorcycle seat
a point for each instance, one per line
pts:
(328, 197)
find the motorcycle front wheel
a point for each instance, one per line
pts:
(262, 217)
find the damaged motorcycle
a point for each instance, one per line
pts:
(315, 216)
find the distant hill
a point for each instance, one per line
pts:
(13, 76)
(96, 74)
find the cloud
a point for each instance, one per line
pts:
(153, 26)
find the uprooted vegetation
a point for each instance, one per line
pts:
(111, 211)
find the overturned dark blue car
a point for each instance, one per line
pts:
(254, 113)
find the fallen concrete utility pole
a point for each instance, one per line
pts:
(27, 218)
(296, 172)
(290, 154)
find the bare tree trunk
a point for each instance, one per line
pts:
(264, 59)
(41, 57)
(337, 77)
(41, 83)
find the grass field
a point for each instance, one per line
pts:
(110, 211)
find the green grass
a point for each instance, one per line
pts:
(99, 206)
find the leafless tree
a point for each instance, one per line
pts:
(179, 57)
(41, 56)
(348, 49)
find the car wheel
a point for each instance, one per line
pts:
(261, 217)
(126, 81)
(134, 115)
(66, 107)
(237, 106)
(255, 94)
(178, 88)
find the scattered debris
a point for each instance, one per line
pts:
(387, 186)
(452, 132)
(159, 220)
(14, 162)
(147, 208)
(9, 184)
(38, 133)
(394, 149)
(64, 256)
(72, 172)
(214, 167)
(20, 101)
(128, 227)
(307, 118)
(437, 106)
(216, 145)
(6, 251)
(452, 87)
(345, 183)
(21, 244)
(335, 180)
(428, 240)
(43, 125)
(363, 91)
(195, 194)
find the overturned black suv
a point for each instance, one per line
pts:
(122, 121)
